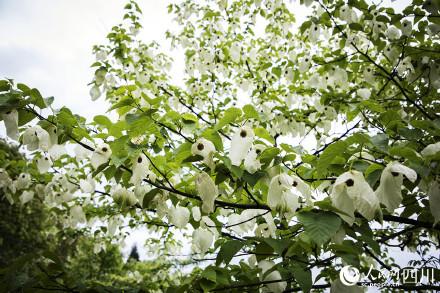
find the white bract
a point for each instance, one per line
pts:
(23, 181)
(280, 196)
(77, 215)
(206, 149)
(179, 216)
(87, 185)
(101, 155)
(364, 93)
(251, 162)
(207, 190)
(241, 143)
(26, 196)
(393, 33)
(95, 93)
(276, 287)
(197, 215)
(202, 240)
(44, 163)
(140, 169)
(431, 150)
(389, 190)
(36, 138)
(124, 197)
(10, 118)
(352, 193)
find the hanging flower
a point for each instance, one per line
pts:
(140, 169)
(36, 137)
(351, 192)
(280, 196)
(393, 33)
(391, 180)
(26, 196)
(406, 27)
(251, 162)
(207, 191)
(302, 188)
(124, 197)
(276, 287)
(10, 118)
(206, 149)
(23, 181)
(81, 152)
(364, 93)
(431, 150)
(77, 215)
(314, 33)
(56, 151)
(240, 145)
(95, 93)
(197, 215)
(101, 155)
(202, 240)
(44, 163)
(87, 185)
(179, 216)
(5, 180)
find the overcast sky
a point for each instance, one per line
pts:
(47, 44)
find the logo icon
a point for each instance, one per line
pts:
(349, 275)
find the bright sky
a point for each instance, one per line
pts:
(47, 44)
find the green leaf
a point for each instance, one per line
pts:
(263, 133)
(320, 226)
(329, 154)
(250, 112)
(303, 277)
(268, 155)
(278, 245)
(231, 115)
(228, 250)
(193, 158)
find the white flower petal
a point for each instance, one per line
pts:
(26, 196)
(43, 164)
(197, 215)
(351, 192)
(207, 191)
(140, 169)
(101, 155)
(202, 240)
(179, 216)
(389, 190)
(206, 149)
(431, 150)
(10, 119)
(241, 143)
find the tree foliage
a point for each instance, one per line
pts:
(283, 148)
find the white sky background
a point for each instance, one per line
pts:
(47, 44)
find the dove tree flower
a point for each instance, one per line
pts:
(206, 149)
(10, 118)
(207, 190)
(389, 191)
(101, 155)
(352, 193)
(36, 138)
(241, 143)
